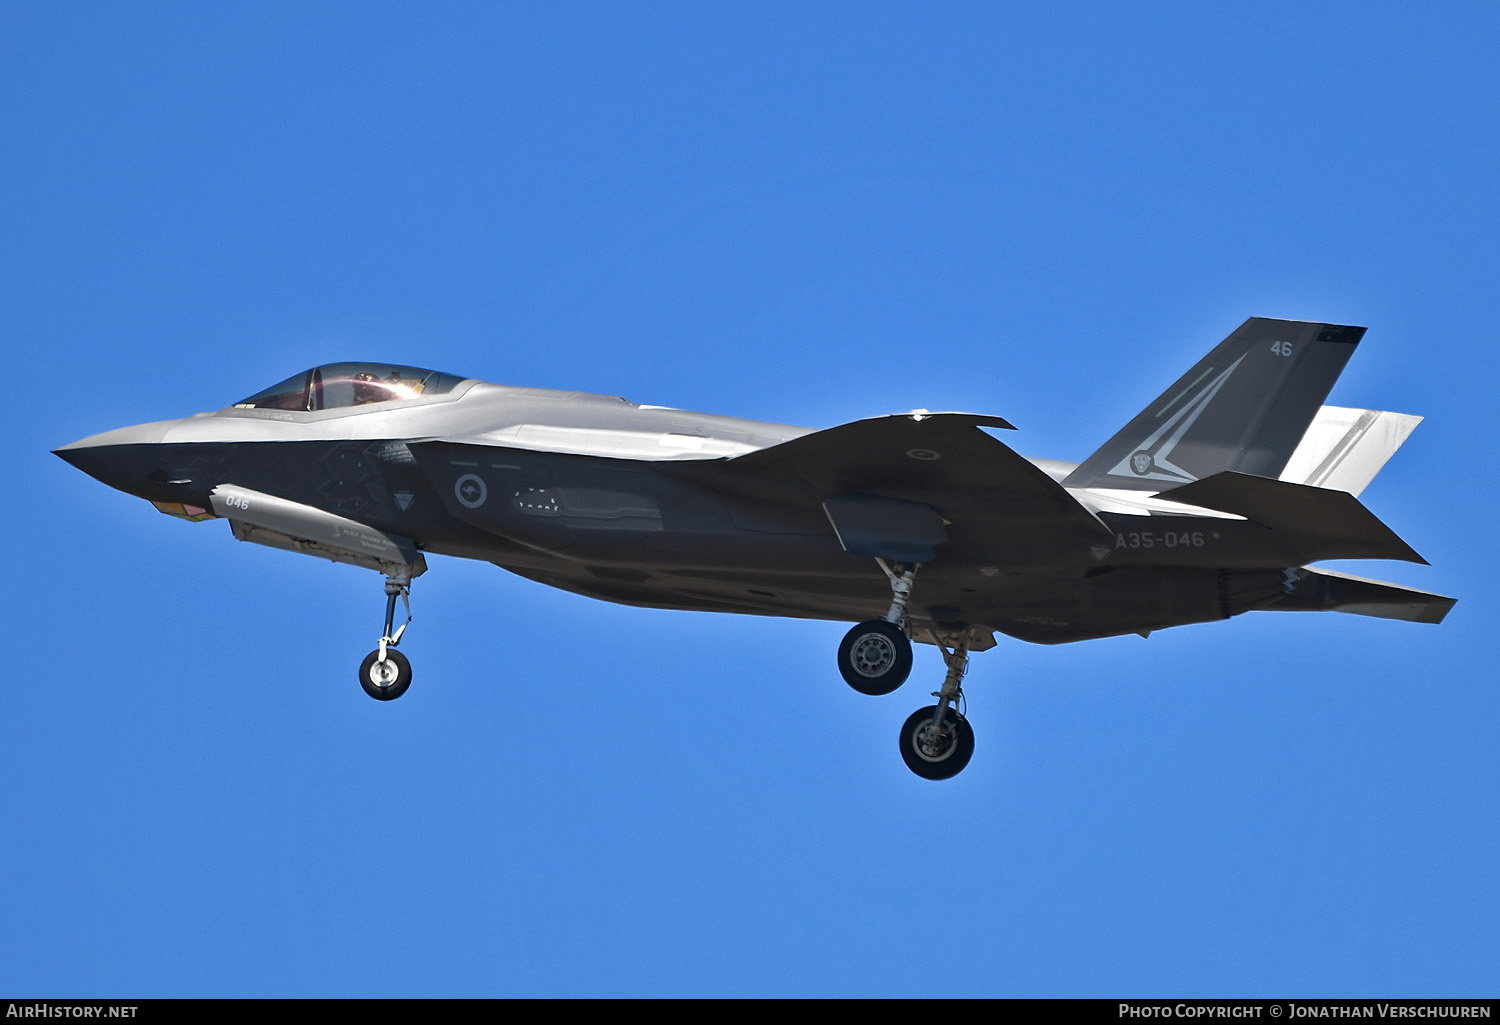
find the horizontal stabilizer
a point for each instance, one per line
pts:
(1321, 589)
(1322, 524)
(1345, 448)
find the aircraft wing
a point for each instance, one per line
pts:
(876, 470)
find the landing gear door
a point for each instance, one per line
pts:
(886, 528)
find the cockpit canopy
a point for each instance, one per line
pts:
(340, 385)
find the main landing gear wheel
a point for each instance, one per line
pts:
(385, 679)
(936, 751)
(875, 657)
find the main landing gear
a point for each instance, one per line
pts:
(937, 741)
(385, 673)
(875, 658)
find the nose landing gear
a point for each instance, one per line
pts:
(385, 673)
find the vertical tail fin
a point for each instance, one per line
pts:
(1244, 407)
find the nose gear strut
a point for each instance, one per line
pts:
(385, 673)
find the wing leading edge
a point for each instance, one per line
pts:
(874, 477)
(940, 459)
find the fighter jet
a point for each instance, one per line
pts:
(917, 526)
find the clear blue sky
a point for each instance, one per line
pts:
(796, 212)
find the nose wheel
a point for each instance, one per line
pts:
(385, 674)
(385, 679)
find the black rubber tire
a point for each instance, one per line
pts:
(955, 754)
(875, 657)
(373, 684)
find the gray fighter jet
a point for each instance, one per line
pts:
(917, 526)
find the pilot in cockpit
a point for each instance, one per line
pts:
(367, 389)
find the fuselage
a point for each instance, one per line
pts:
(624, 502)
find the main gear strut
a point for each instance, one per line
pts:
(937, 741)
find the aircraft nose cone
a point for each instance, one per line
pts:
(121, 458)
(115, 465)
